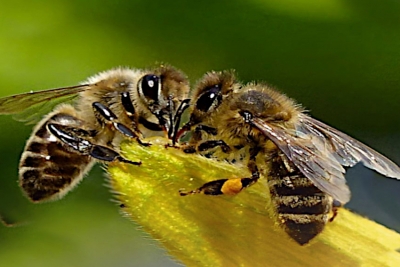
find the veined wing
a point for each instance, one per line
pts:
(348, 150)
(311, 156)
(28, 107)
(319, 151)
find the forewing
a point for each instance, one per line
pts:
(347, 150)
(29, 107)
(311, 156)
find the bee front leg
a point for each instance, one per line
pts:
(75, 138)
(207, 145)
(104, 113)
(230, 186)
(195, 144)
(130, 112)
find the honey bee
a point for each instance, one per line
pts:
(302, 158)
(108, 107)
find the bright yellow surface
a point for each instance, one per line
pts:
(203, 230)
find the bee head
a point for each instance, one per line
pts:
(210, 92)
(162, 92)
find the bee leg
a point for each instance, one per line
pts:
(197, 137)
(75, 138)
(229, 186)
(224, 186)
(189, 149)
(107, 154)
(128, 106)
(206, 145)
(130, 112)
(207, 129)
(335, 209)
(104, 113)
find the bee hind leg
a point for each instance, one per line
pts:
(335, 209)
(231, 186)
(222, 187)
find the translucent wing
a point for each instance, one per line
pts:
(29, 107)
(348, 150)
(311, 157)
(319, 151)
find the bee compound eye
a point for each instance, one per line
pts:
(207, 99)
(150, 86)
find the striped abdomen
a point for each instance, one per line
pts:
(302, 209)
(48, 168)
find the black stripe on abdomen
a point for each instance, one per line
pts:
(49, 168)
(302, 209)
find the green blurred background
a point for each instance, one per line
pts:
(340, 59)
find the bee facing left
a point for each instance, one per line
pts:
(112, 105)
(302, 158)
